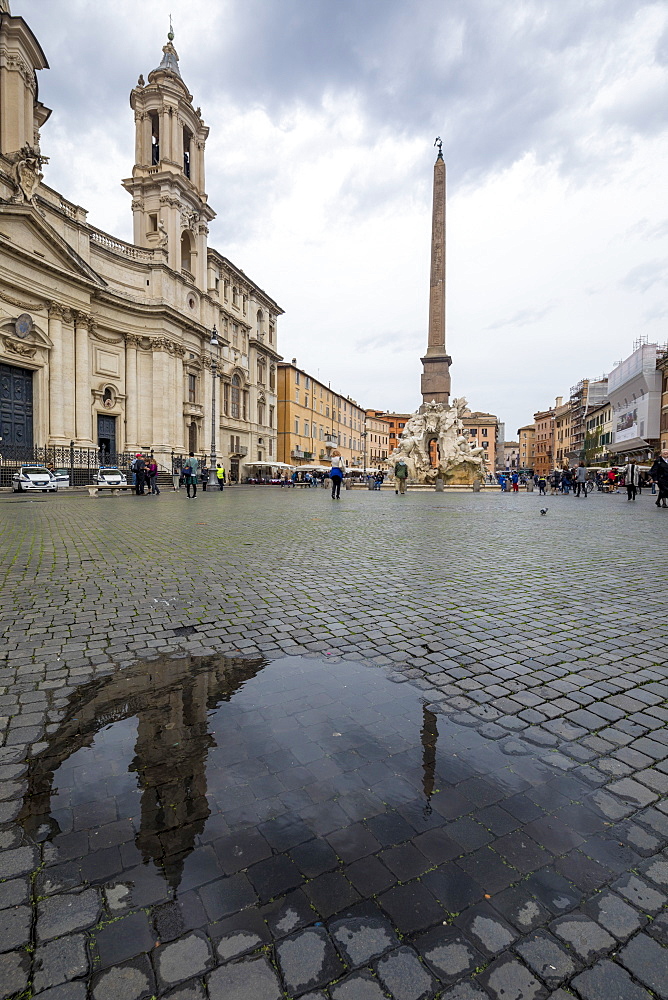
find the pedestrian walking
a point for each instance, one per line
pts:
(336, 474)
(659, 473)
(631, 480)
(581, 480)
(140, 474)
(190, 472)
(400, 475)
(516, 482)
(153, 478)
(204, 477)
(542, 483)
(220, 476)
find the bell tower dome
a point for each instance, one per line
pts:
(169, 202)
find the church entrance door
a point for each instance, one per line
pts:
(106, 437)
(16, 406)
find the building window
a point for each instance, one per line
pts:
(326, 411)
(484, 432)
(296, 378)
(272, 378)
(306, 402)
(236, 396)
(260, 414)
(271, 333)
(306, 429)
(226, 398)
(245, 304)
(192, 386)
(271, 446)
(260, 371)
(296, 395)
(245, 404)
(226, 289)
(296, 426)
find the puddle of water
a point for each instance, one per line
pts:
(196, 771)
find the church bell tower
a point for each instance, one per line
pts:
(169, 201)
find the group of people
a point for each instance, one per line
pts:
(145, 473)
(581, 481)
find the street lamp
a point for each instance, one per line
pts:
(214, 345)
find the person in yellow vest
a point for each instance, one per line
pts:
(220, 475)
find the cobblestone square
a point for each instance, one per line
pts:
(273, 745)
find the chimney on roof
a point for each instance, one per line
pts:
(294, 361)
(559, 400)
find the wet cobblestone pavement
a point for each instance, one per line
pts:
(268, 746)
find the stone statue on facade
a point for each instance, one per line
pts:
(27, 172)
(435, 445)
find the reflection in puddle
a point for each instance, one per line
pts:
(194, 771)
(160, 708)
(429, 737)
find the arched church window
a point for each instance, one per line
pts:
(186, 251)
(155, 138)
(236, 396)
(187, 139)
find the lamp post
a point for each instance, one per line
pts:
(214, 344)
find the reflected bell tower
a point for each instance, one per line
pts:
(169, 201)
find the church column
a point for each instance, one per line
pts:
(160, 395)
(178, 400)
(82, 379)
(131, 435)
(68, 376)
(56, 387)
(205, 437)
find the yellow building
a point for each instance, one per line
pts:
(562, 432)
(484, 429)
(527, 441)
(377, 439)
(543, 442)
(313, 421)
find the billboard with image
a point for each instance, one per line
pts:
(626, 425)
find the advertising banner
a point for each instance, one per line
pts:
(626, 426)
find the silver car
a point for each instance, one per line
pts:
(33, 477)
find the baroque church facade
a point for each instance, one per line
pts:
(106, 344)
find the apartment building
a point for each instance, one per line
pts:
(313, 420)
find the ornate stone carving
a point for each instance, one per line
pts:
(16, 62)
(56, 311)
(27, 172)
(131, 340)
(92, 327)
(23, 325)
(18, 347)
(28, 306)
(163, 242)
(189, 219)
(434, 445)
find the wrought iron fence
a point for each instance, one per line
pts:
(80, 463)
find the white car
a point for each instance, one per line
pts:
(60, 476)
(33, 477)
(108, 475)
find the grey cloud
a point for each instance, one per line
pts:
(644, 276)
(524, 317)
(395, 341)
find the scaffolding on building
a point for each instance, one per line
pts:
(585, 396)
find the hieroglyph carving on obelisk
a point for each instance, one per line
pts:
(436, 363)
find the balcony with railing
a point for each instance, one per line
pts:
(239, 452)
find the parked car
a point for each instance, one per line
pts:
(33, 477)
(61, 476)
(109, 475)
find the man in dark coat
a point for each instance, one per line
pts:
(659, 473)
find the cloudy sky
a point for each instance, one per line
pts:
(323, 115)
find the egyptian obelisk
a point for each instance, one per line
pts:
(436, 362)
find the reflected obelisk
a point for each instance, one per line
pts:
(436, 362)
